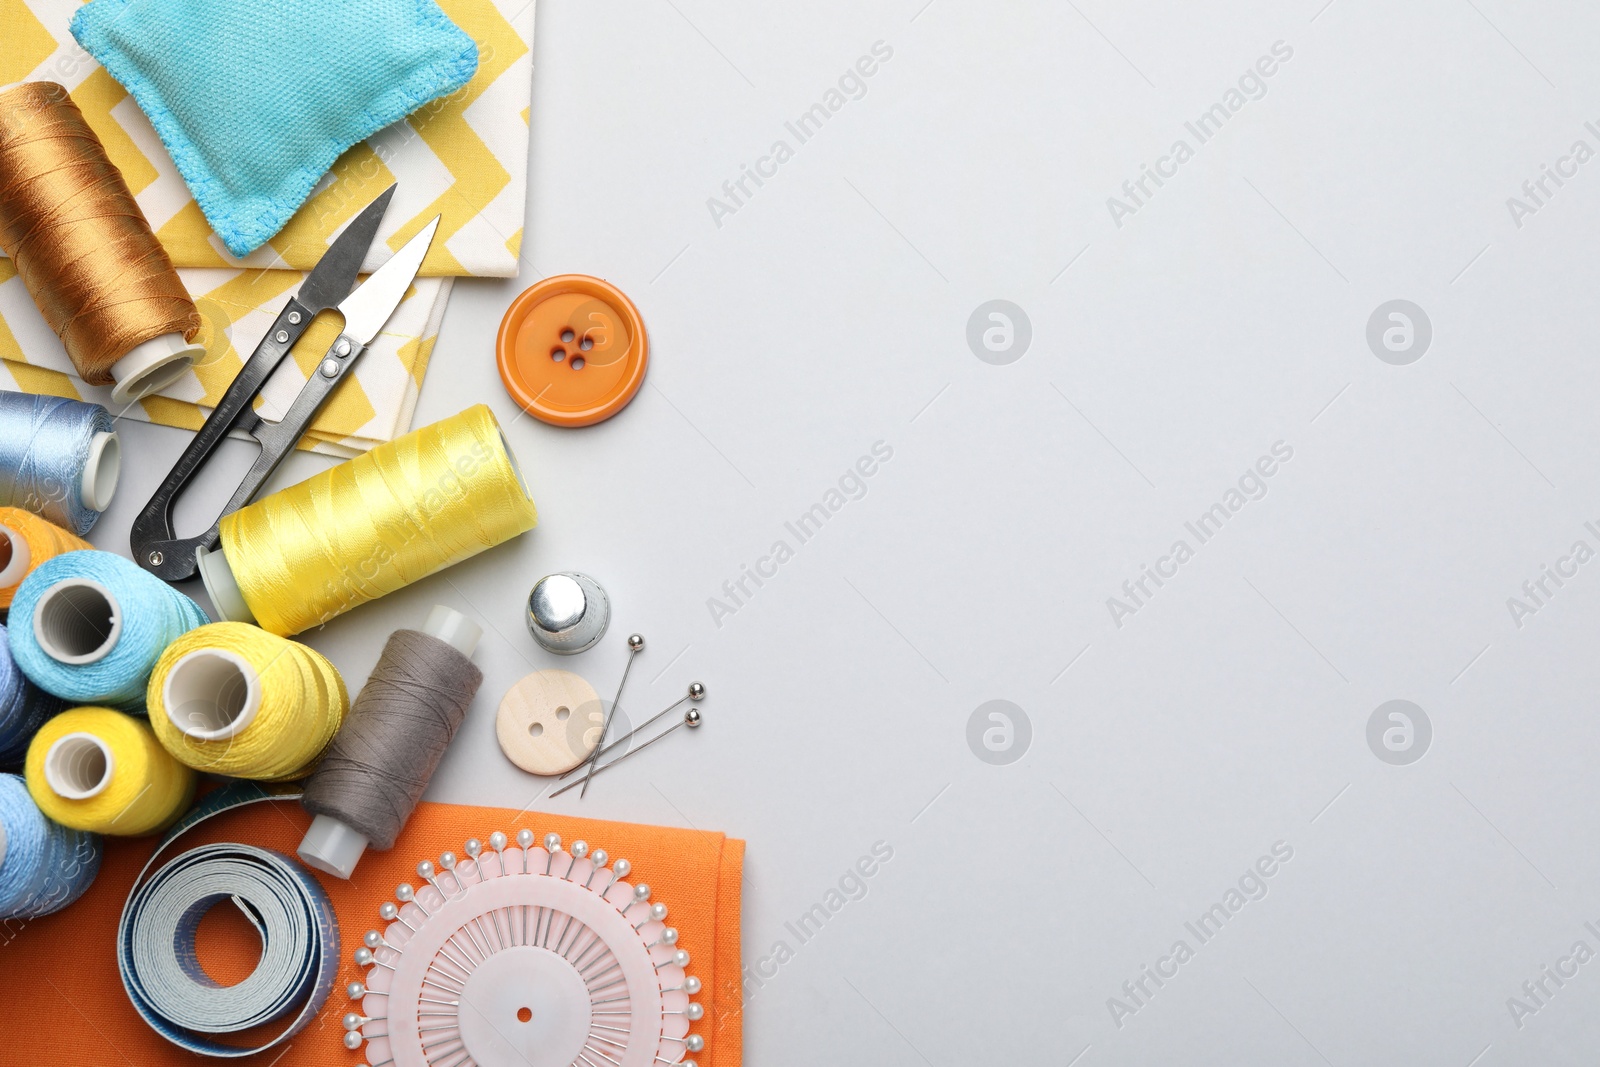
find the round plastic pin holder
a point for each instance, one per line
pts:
(572, 350)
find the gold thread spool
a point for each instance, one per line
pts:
(97, 769)
(229, 698)
(85, 251)
(26, 541)
(412, 506)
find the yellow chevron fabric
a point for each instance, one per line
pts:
(463, 157)
(372, 405)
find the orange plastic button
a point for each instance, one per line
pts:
(572, 350)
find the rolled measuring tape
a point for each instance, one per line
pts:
(289, 909)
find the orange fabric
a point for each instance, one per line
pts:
(67, 1005)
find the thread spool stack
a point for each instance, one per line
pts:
(407, 508)
(59, 458)
(89, 626)
(97, 769)
(24, 708)
(26, 540)
(44, 866)
(400, 725)
(229, 698)
(85, 251)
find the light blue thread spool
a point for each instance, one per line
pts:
(59, 458)
(24, 707)
(45, 866)
(88, 626)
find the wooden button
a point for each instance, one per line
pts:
(549, 722)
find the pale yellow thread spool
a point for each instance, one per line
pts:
(412, 506)
(100, 770)
(230, 698)
(26, 541)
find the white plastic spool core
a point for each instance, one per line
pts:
(77, 621)
(453, 628)
(221, 586)
(333, 846)
(516, 468)
(79, 766)
(152, 366)
(211, 694)
(101, 472)
(14, 557)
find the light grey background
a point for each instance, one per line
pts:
(1230, 713)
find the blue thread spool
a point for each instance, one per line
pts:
(59, 458)
(24, 707)
(43, 866)
(88, 626)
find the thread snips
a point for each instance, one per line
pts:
(331, 286)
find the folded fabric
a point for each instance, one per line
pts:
(63, 966)
(255, 99)
(464, 156)
(372, 405)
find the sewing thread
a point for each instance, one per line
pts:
(100, 770)
(230, 698)
(46, 865)
(84, 250)
(26, 541)
(24, 707)
(89, 626)
(401, 723)
(47, 444)
(383, 520)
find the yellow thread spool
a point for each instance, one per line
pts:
(232, 699)
(369, 526)
(97, 769)
(26, 541)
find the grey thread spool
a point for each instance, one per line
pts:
(399, 726)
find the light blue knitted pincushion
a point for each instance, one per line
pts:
(255, 99)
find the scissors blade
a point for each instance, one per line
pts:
(369, 307)
(331, 280)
